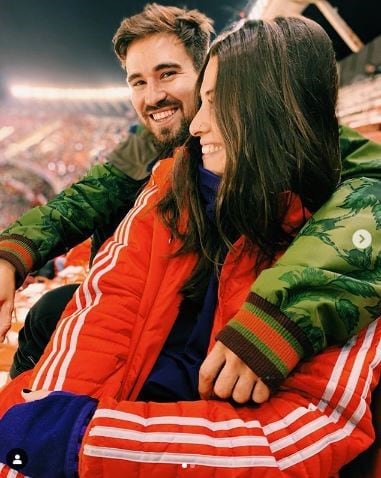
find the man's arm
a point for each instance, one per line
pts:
(326, 286)
(52, 229)
(324, 289)
(47, 231)
(359, 156)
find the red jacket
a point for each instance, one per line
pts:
(316, 423)
(112, 332)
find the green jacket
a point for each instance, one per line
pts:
(322, 291)
(327, 285)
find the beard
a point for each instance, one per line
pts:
(169, 140)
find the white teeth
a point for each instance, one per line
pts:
(163, 114)
(211, 148)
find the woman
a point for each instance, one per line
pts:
(177, 270)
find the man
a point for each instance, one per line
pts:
(164, 101)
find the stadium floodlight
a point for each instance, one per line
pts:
(70, 94)
(268, 9)
(257, 9)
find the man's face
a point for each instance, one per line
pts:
(161, 77)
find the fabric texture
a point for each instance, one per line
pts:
(318, 421)
(40, 323)
(136, 156)
(174, 376)
(49, 431)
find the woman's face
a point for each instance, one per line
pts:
(204, 123)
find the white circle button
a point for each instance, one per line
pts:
(362, 239)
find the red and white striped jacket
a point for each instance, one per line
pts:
(109, 339)
(316, 423)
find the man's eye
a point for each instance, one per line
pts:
(167, 74)
(138, 83)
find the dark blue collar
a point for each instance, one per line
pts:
(208, 186)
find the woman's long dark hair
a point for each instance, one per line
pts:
(275, 98)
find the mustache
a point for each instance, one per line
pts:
(164, 103)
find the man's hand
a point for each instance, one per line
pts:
(225, 375)
(7, 296)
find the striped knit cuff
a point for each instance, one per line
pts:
(266, 340)
(20, 252)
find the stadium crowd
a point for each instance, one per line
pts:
(42, 152)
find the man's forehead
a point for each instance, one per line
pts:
(151, 51)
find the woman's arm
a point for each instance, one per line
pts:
(315, 424)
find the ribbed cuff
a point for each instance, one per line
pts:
(20, 252)
(266, 340)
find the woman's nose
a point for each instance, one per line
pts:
(199, 125)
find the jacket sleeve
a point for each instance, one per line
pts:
(325, 288)
(91, 343)
(317, 422)
(359, 156)
(102, 195)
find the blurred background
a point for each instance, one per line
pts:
(64, 104)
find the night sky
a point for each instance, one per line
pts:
(68, 42)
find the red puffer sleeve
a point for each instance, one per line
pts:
(89, 349)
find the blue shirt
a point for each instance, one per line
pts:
(174, 376)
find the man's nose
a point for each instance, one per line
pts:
(154, 94)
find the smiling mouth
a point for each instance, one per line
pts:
(162, 115)
(211, 148)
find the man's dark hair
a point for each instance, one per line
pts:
(192, 27)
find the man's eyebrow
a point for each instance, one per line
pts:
(164, 66)
(159, 67)
(133, 77)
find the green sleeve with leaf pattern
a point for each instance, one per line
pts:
(72, 216)
(97, 203)
(327, 285)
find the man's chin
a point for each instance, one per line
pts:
(165, 135)
(166, 140)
